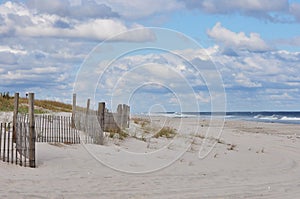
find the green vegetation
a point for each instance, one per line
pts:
(141, 121)
(53, 105)
(6, 104)
(117, 133)
(41, 106)
(165, 132)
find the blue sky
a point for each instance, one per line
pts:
(253, 44)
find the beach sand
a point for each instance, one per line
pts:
(248, 160)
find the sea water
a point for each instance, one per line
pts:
(288, 117)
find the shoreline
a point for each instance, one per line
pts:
(248, 160)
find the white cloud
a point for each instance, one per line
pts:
(81, 9)
(202, 54)
(42, 47)
(203, 97)
(48, 70)
(140, 9)
(223, 6)
(18, 75)
(50, 25)
(294, 41)
(98, 29)
(245, 81)
(256, 8)
(240, 40)
(295, 10)
(13, 50)
(283, 96)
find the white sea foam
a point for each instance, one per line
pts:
(290, 118)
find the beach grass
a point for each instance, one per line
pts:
(167, 132)
(113, 133)
(41, 106)
(141, 121)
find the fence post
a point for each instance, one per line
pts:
(124, 116)
(87, 114)
(119, 116)
(31, 131)
(101, 110)
(128, 117)
(16, 108)
(73, 110)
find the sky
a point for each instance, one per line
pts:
(171, 55)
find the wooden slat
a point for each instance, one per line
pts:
(21, 134)
(4, 141)
(0, 139)
(8, 142)
(12, 148)
(16, 139)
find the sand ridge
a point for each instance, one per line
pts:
(249, 160)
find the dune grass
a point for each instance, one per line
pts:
(117, 133)
(42, 106)
(141, 121)
(167, 132)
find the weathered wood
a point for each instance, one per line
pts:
(119, 115)
(74, 110)
(101, 111)
(65, 138)
(16, 108)
(50, 128)
(31, 131)
(69, 128)
(0, 139)
(87, 114)
(44, 129)
(16, 151)
(20, 144)
(8, 142)
(12, 149)
(128, 116)
(59, 129)
(4, 142)
(24, 150)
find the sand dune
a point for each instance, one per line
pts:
(250, 160)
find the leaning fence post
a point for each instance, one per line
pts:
(73, 110)
(119, 116)
(87, 114)
(31, 131)
(16, 108)
(101, 110)
(127, 116)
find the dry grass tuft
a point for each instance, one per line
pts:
(165, 132)
(141, 121)
(117, 133)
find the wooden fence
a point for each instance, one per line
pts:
(17, 139)
(15, 151)
(6, 143)
(51, 128)
(91, 127)
(95, 123)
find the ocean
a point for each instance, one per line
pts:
(287, 117)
